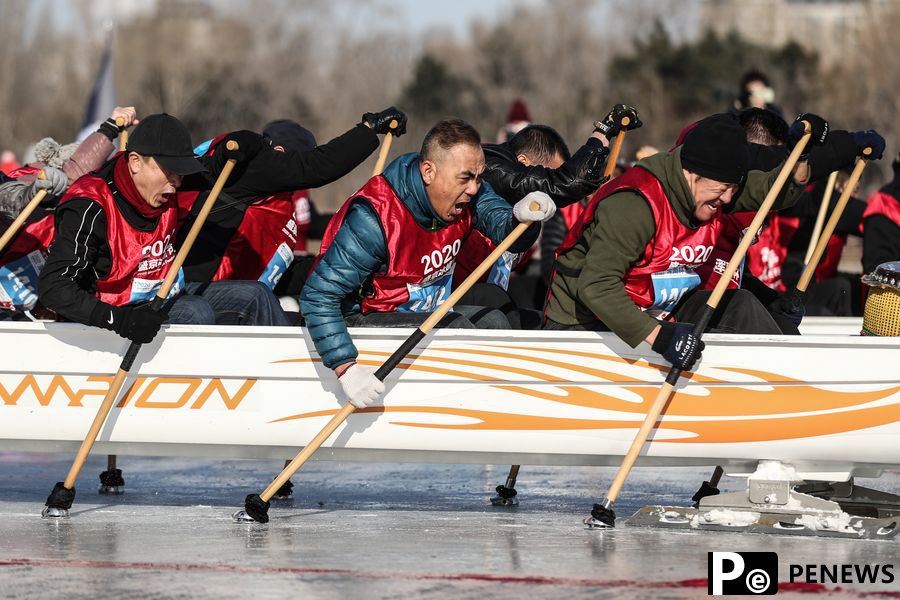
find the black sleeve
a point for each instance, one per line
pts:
(881, 242)
(79, 256)
(271, 172)
(578, 177)
(552, 237)
(851, 218)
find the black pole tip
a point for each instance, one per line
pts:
(601, 518)
(706, 489)
(112, 478)
(61, 497)
(505, 492)
(257, 508)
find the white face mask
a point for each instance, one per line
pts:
(765, 94)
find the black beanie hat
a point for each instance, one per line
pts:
(717, 149)
(290, 134)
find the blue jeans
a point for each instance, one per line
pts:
(227, 303)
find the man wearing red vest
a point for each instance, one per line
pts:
(881, 224)
(115, 241)
(631, 261)
(389, 253)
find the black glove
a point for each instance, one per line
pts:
(380, 122)
(611, 124)
(139, 323)
(249, 145)
(790, 306)
(818, 126)
(869, 139)
(678, 344)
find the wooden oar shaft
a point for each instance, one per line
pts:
(810, 270)
(198, 223)
(123, 133)
(756, 223)
(17, 223)
(134, 347)
(473, 277)
(667, 388)
(662, 397)
(92, 433)
(396, 357)
(613, 157)
(820, 218)
(385, 148)
(307, 451)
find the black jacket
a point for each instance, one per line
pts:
(578, 177)
(269, 172)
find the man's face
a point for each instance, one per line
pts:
(452, 177)
(155, 184)
(709, 195)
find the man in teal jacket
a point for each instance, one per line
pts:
(388, 255)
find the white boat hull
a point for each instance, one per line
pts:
(828, 404)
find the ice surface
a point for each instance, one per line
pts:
(358, 530)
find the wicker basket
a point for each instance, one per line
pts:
(882, 312)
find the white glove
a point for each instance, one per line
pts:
(535, 206)
(55, 183)
(360, 385)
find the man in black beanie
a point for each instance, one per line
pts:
(629, 265)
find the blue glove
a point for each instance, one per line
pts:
(677, 343)
(869, 139)
(818, 126)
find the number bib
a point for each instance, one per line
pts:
(668, 288)
(502, 269)
(18, 282)
(144, 290)
(279, 263)
(426, 297)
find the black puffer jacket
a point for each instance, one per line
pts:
(578, 177)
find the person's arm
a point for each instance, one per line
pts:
(17, 193)
(625, 226)
(358, 250)
(493, 216)
(758, 184)
(578, 177)
(79, 256)
(881, 242)
(268, 171)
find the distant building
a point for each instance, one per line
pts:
(830, 27)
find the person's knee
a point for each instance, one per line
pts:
(192, 310)
(490, 318)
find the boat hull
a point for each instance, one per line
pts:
(828, 404)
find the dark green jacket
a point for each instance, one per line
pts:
(623, 225)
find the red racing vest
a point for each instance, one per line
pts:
(21, 263)
(262, 246)
(140, 259)
(419, 275)
(22, 260)
(668, 268)
(733, 227)
(884, 204)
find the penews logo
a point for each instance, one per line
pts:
(735, 573)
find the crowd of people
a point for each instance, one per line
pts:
(636, 253)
